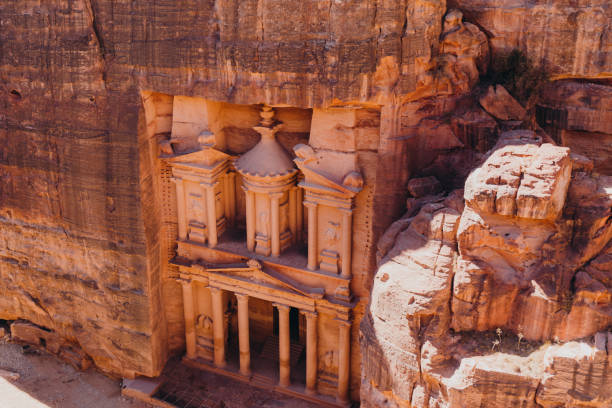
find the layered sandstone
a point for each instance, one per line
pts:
(569, 38)
(89, 89)
(503, 302)
(579, 115)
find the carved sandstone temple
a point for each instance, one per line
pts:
(264, 255)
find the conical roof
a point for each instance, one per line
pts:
(267, 159)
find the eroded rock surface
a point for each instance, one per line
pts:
(566, 37)
(506, 304)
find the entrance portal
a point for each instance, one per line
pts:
(264, 343)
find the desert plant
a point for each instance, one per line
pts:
(518, 345)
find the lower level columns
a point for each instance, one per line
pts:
(311, 352)
(284, 346)
(344, 359)
(188, 308)
(218, 329)
(243, 334)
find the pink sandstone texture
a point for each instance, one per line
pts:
(493, 289)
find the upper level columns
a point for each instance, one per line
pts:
(218, 329)
(250, 218)
(275, 224)
(313, 255)
(243, 334)
(211, 212)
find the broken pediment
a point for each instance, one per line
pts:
(343, 179)
(206, 159)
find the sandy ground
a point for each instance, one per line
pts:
(46, 382)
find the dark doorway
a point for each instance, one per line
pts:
(294, 325)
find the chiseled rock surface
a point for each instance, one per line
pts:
(518, 308)
(567, 37)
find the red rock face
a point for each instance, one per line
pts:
(579, 115)
(566, 37)
(464, 308)
(80, 218)
(79, 200)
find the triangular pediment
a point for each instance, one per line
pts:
(267, 277)
(207, 158)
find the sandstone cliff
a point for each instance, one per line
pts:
(501, 301)
(81, 253)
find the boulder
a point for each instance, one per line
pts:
(501, 105)
(521, 179)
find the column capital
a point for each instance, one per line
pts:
(346, 211)
(345, 324)
(310, 204)
(275, 195)
(282, 307)
(241, 297)
(209, 184)
(184, 281)
(176, 179)
(214, 290)
(309, 314)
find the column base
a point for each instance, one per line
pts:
(296, 390)
(343, 402)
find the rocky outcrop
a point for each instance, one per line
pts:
(501, 105)
(505, 304)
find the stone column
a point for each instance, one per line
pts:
(284, 346)
(226, 197)
(344, 359)
(293, 214)
(211, 213)
(275, 222)
(311, 352)
(231, 197)
(188, 309)
(299, 215)
(347, 241)
(243, 334)
(180, 208)
(313, 254)
(250, 218)
(218, 329)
